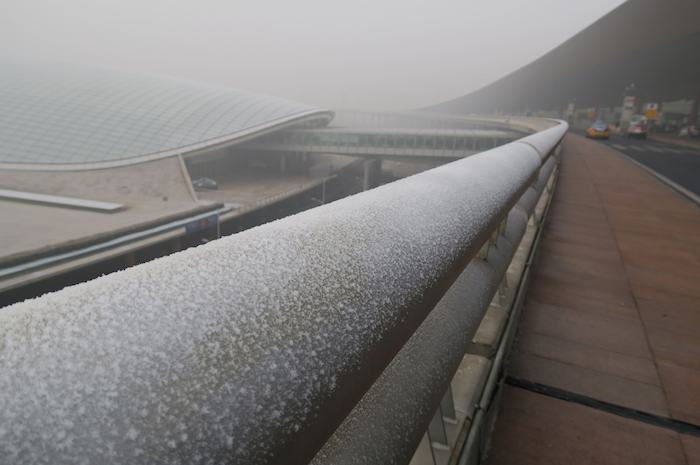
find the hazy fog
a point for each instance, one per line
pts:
(380, 54)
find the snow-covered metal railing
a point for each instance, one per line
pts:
(252, 349)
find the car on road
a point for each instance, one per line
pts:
(204, 184)
(598, 130)
(637, 127)
(689, 131)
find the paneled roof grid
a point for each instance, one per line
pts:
(74, 115)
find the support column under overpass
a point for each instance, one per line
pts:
(694, 108)
(283, 163)
(372, 173)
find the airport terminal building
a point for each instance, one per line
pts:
(101, 170)
(96, 164)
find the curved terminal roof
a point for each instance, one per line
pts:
(60, 116)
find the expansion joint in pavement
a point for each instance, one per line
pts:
(678, 426)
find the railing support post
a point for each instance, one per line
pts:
(436, 430)
(447, 406)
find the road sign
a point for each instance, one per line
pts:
(628, 106)
(651, 111)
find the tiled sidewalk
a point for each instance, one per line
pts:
(613, 313)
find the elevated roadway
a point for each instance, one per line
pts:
(415, 144)
(605, 369)
(677, 164)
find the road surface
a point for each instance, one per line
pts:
(679, 164)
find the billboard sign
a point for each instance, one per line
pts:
(651, 111)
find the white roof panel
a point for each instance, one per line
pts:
(57, 115)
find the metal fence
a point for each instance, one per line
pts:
(255, 348)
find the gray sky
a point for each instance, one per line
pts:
(371, 54)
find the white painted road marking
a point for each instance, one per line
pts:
(618, 146)
(637, 148)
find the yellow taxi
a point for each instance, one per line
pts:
(598, 130)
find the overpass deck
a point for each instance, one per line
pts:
(606, 367)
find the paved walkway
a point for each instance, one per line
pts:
(612, 315)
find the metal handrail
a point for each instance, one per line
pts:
(253, 348)
(414, 384)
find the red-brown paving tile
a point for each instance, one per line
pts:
(582, 267)
(613, 312)
(614, 333)
(679, 316)
(550, 245)
(682, 386)
(658, 236)
(655, 259)
(599, 228)
(638, 201)
(691, 446)
(658, 254)
(546, 291)
(617, 295)
(650, 221)
(679, 349)
(654, 292)
(639, 369)
(657, 222)
(591, 383)
(644, 292)
(536, 430)
(577, 277)
(565, 211)
(583, 234)
(581, 215)
(678, 283)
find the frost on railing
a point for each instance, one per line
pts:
(253, 348)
